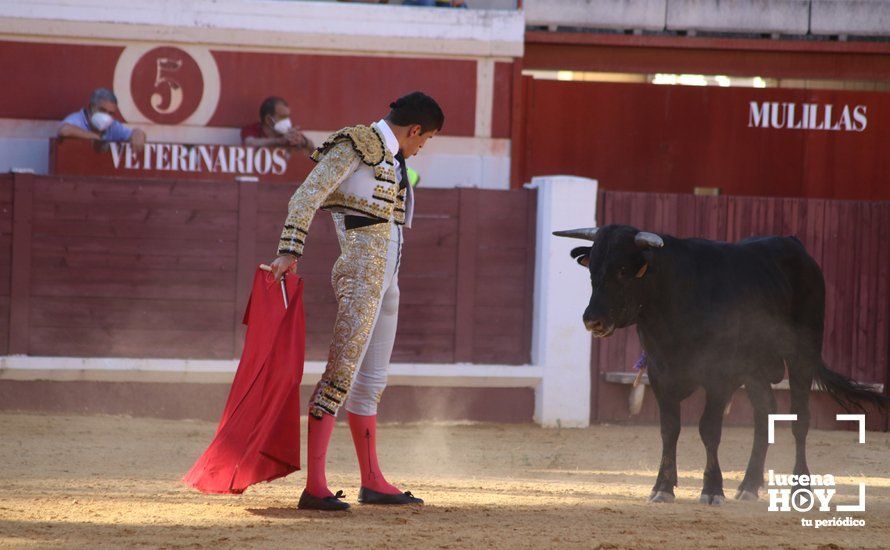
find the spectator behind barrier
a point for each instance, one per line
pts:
(97, 122)
(275, 127)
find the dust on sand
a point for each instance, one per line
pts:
(98, 481)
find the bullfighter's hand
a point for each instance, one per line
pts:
(283, 264)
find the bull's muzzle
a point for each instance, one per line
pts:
(599, 328)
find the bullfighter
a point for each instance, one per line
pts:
(361, 177)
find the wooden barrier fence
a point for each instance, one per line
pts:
(103, 267)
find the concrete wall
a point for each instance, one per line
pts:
(605, 14)
(757, 16)
(560, 343)
(267, 23)
(24, 154)
(794, 17)
(853, 17)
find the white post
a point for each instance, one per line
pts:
(560, 343)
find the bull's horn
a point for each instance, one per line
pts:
(644, 239)
(585, 233)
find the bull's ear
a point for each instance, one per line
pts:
(649, 262)
(581, 255)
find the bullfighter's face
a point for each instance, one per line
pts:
(415, 139)
(617, 263)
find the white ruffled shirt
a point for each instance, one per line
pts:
(392, 143)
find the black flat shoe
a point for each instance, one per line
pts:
(369, 496)
(330, 504)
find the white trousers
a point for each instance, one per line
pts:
(365, 281)
(370, 378)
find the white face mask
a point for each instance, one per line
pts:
(282, 126)
(101, 121)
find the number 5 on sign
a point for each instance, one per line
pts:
(166, 66)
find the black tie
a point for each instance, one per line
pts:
(404, 169)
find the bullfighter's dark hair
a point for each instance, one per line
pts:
(416, 108)
(267, 108)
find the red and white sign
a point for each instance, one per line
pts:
(208, 159)
(807, 116)
(179, 161)
(167, 84)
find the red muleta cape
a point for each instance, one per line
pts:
(258, 438)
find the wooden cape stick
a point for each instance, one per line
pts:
(267, 267)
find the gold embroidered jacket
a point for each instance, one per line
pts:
(355, 174)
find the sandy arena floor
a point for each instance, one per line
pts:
(112, 482)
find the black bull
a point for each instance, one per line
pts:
(716, 315)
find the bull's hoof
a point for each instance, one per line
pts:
(744, 494)
(713, 500)
(661, 496)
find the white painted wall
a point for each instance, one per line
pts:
(469, 169)
(120, 369)
(317, 26)
(794, 17)
(560, 343)
(745, 16)
(29, 154)
(853, 17)
(603, 14)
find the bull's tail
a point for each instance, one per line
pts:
(847, 392)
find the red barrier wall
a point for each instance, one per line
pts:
(149, 268)
(642, 137)
(6, 221)
(325, 92)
